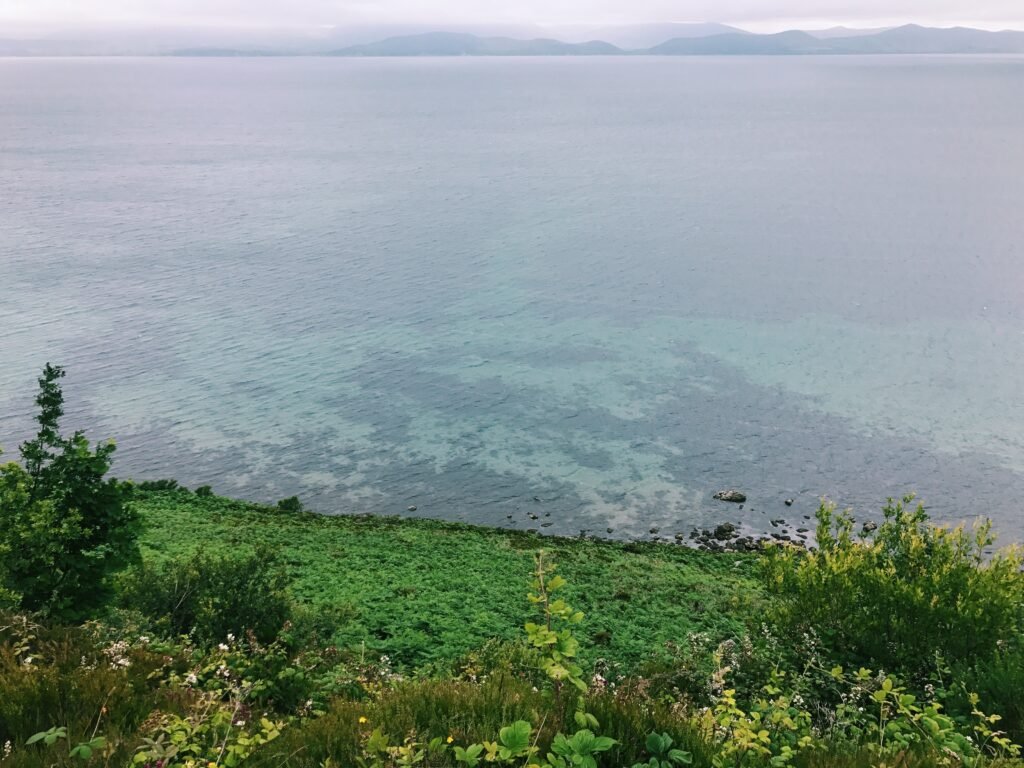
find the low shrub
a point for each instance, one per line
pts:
(210, 597)
(999, 681)
(896, 597)
(71, 678)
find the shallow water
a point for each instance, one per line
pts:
(592, 291)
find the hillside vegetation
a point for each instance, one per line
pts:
(155, 626)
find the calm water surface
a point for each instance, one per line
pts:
(592, 291)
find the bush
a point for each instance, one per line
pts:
(161, 485)
(53, 675)
(999, 681)
(291, 505)
(900, 596)
(65, 529)
(209, 597)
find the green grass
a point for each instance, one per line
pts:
(426, 592)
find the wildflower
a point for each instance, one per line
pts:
(231, 638)
(191, 678)
(144, 640)
(211, 764)
(8, 748)
(240, 724)
(450, 739)
(222, 647)
(363, 720)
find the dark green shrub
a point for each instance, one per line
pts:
(209, 597)
(204, 491)
(895, 598)
(161, 485)
(999, 681)
(65, 528)
(291, 505)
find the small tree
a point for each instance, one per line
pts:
(64, 527)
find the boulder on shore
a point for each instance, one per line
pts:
(734, 496)
(725, 531)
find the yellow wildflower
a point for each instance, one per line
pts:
(450, 739)
(363, 720)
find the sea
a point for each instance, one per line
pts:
(562, 294)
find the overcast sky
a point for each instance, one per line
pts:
(760, 15)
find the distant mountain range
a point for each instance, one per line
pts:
(909, 39)
(633, 37)
(460, 44)
(668, 39)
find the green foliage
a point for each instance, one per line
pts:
(209, 597)
(553, 638)
(291, 505)
(161, 485)
(427, 593)
(65, 529)
(999, 682)
(82, 751)
(898, 596)
(213, 733)
(580, 749)
(663, 754)
(88, 685)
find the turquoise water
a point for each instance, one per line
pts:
(590, 292)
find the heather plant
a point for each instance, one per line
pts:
(895, 597)
(65, 528)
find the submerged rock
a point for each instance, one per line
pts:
(732, 495)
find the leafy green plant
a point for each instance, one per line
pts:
(82, 751)
(215, 732)
(513, 743)
(48, 737)
(663, 755)
(578, 750)
(553, 637)
(65, 528)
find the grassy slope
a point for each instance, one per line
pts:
(424, 591)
